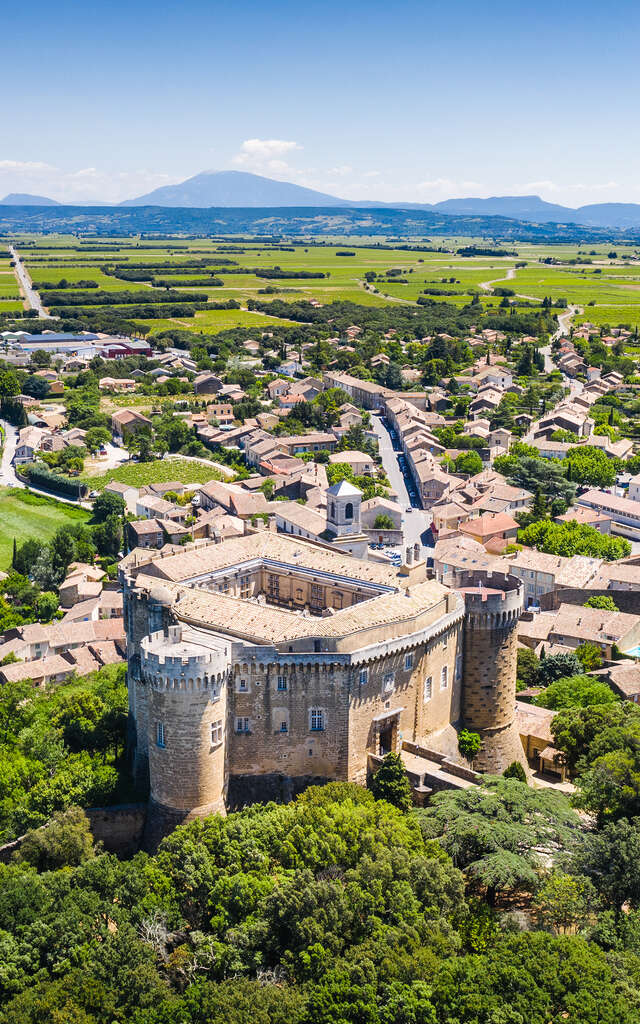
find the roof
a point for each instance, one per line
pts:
(534, 721)
(302, 516)
(349, 456)
(593, 623)
(487, 525)
(573, 572)
(344, 489)
(192, 563)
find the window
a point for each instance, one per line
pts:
(428, 686)
(388, 681)
(284, 727)
(348, 511)
(317, 593)
(216, 732)
(364, 676)
(282, 683)
(316, 720)
(242, 725)
(408, 661)
(274, 586)
(444, 678)
(160, 734)
(243, 686)
(459, 667)
(244, 586)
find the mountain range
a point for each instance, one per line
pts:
(240, 189)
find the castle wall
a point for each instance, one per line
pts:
(393, 695)
(309, 683)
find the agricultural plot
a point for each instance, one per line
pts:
(341, 269)
(24, 514)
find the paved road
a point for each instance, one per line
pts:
(8, 476)
(30, 293)
(417, 521)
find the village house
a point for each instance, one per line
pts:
(125, 422)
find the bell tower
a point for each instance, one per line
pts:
(343, 519)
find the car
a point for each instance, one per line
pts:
(409, 508)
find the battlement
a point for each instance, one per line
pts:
(178, 659)
(492, 599)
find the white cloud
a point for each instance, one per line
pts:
(265, 154)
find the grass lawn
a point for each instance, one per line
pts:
(24, 515)
(138, 474)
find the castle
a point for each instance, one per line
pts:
(264, 663)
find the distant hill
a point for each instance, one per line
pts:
(531, 208)
(24, 199)
(384, 222)
(234, 188)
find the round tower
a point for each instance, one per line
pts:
(493, 605)
(186, 727)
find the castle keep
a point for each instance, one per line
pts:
(264, 663)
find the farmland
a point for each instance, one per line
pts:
(140, 474)
(166, 284)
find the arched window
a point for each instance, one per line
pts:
(348, 511)
(333, 511)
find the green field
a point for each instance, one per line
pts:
(612, 284)
(139, 474)
(24, 515)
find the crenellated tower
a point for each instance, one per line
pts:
(493, 605)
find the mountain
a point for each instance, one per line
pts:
(24, 199)
(531, 208)
(234, 188)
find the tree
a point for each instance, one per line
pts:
(582, 732)
(573, 538)
(515, 771)
(383, 522)
(565, 902)
(527, 670)
(46, 605)
(96, 437)
(544, 475)
(391, 783)
(499, 831)
(468, 462)
(557, 666)
(66, 840)
(602, 601)
(108, 504)
(575, 692)
(611, 859)
(590, 656)
(591, 466)
(107, 536)
(469, 744)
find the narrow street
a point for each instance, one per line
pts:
(8, 476)
(416, 521)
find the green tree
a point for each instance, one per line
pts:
(391, 783)
(515, 771)
(65, 840)
(602, 601)
(469, 744)
(575, 692)
(468, 463)
(557, 666)
(590, 656)
(527, 668)
(611, 859)
(565, 902)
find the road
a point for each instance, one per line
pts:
(416, 522)
(29, 292)
(8, 476)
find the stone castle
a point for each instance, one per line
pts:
(265, 663)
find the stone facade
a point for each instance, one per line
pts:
(235, 698)
(493, 605)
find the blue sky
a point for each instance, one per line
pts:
(413, 100)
